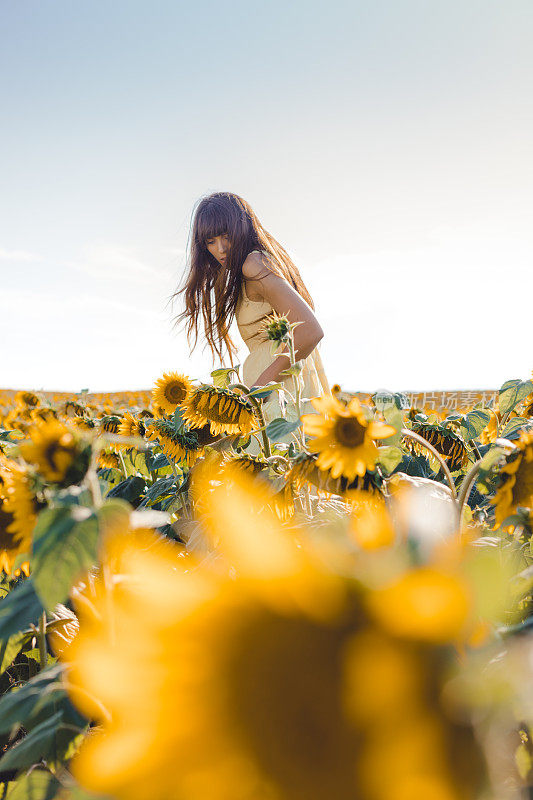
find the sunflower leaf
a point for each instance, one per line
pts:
(280, 427)
(221, 377)
(19, 609)
(473, 423)
(514, 426)
(64, 545)
(512, 392)
(39, 784)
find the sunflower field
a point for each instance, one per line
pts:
(198, 603)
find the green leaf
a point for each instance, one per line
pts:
(221, 376)
(11, 647)
(393, 416)
(130, 489)
(511, 430)
(38, 744)
(264, 391)
(294, 370)
(19, 609)
(280, 427)
(390, 457)
(512, 392)
(19, 706)
(37, 785)
(64, 545)
(473, 423)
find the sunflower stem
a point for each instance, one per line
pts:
(123, 463)
(466, 486)
(257, 405)
(42, 640)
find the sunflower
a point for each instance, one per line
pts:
(110, 423)
(171, 390)
(515, 479)
(304, 470)
(223, 657)
(72, 409)
(131, 426)
(83, 423)
(43, 414)
(225, 411)
(445, 441)
(177, 445)
(489, 434)
(58, 451)
(108, 460)
(345, 440)
(18, 512)
(24, 398)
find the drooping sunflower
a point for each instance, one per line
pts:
(84, 423)
(515, 479)
(108, 460)
(171, 390)
(131, 426)
(44, 414)
(445, 441)
(59, 452)
(110, 423)
(304, 469)
(177, 445)
(225, 411)
(344, 439)
(72, 409)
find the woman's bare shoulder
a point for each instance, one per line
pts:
(256, 266)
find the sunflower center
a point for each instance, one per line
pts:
(175, 392)
(523, 487)
(349, 432)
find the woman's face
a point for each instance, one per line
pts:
(219, 248)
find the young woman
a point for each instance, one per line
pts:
(237, 270)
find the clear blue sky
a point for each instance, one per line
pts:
(386, 144)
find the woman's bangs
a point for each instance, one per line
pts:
(212, 222)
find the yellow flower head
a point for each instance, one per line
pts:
(343, 438)
(58, 452)
(131, 426)
(225, 411)
(18, 512)
(516, 479)
(24, 398)
(108, 460)
(176, 445)
(171, 390)
(304, 470)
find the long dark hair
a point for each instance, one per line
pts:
(213, 292)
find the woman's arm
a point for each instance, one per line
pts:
(263, 284)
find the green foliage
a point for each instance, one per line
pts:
(389, 458)
(221, 377)
(512, 392)
(513, 428)
(42, 708)
(130, 489)
(19, 609)
(280, 427)
(39, 784)
(473, 423)
(65, 545)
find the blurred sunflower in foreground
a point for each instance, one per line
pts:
(275, 680)
(343, 438)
